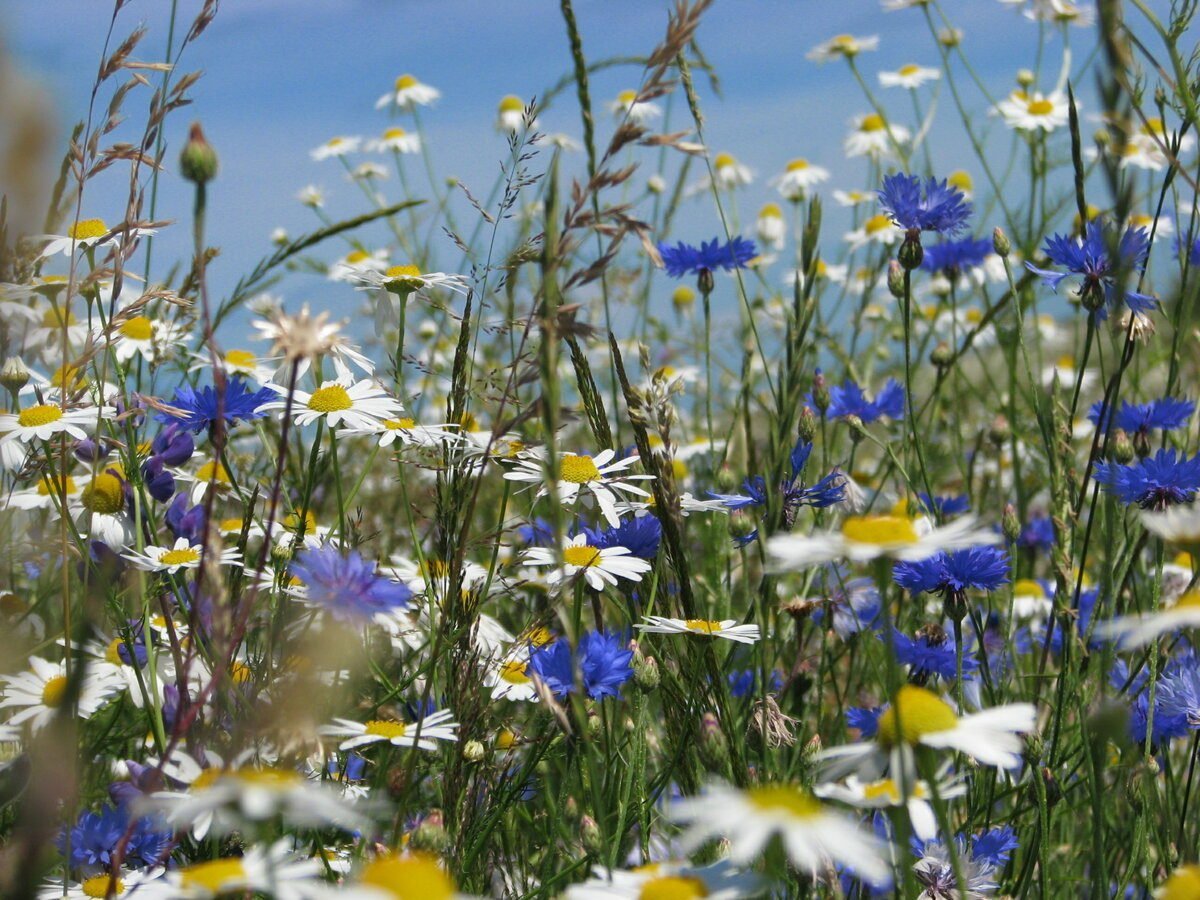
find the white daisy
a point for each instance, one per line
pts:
(600, 566)
(405, 280)
(729, 173)
(237, 362)
(869, 537)
(1038, 111)
(1175, 525)
(103, 513)
(510, 114)
(422, 734)
(86, 233)
(41, 421)
(910, 76)
(336, 146)
(39, 693)
(368, 171)
(509, 679)
(770, 227)
(627, 104)
(393, 877)
(799, 176)
(1031, 600)
(183, 555)
(152, 339)
(725, 628)
(409, 433)
(312, 196)
(719, 881)
(843, 46)
(870, 136)
(854, 198)
(408, 92)
(46, 494)
(600, 475)
(127, 882)
(886, 794)
(275, 871)
(395, 139)
(991, 736)
(358, 261)
(879, 229)
(361, 405)
(1142, 628)
(813, 835)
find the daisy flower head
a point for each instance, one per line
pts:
(140, 335)
(602, 663)
(770, 226)
(812, 834)
(725, 628)
(359, 405)
(910, 76)
(38, 694)
(311, 196)
(668, 880)
(853, 198)
(938, 208)
(87, 233)
(183, 555)
(336, 147)
(687, 259)
(275, 871)
(422, 734)
(798, 178)
(1183, 884)
(1155, 482)
(409, 433)
(728, 173)
(238, 363)
(878, 229)
(843, 46)
(407, 279)
(599, 476)
(1034, 112)
(347, 586)
(1138, 630)
(874, 137)
(1088, 258)
(408, 92)
(868, 537)
(510, 114)
(199, 410)
(395, 140)
(358, 259)
(638, 111)
(600, 567)
(885, 793)
(41, 421)
(919, 717)
(104, 509)
(128, 883)
(511, 679)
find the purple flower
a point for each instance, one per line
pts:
(604, 660)
(849, 399)
(955, 257)
(942, 209)
(686, 259)
(200, 408)
(1088, 259)
(1156, 482)
(347, 587)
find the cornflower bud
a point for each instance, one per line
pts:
(198, 161)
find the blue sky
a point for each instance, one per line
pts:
(282, 76)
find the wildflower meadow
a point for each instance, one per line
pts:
(648, 518)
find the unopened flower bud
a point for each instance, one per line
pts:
(1025, 77)
(589, 835)
(1000, 431)
(473, 751)
(1000, 242)
(645, 671)
(713, 747)
(741, 526)
(1122, 447)
(820, 393)
(1009, 522)
(655, 184)
(14, 375)
(941, 355)
(911, 252)
(726, 480)
(704, 281)
(806, 425)
(895, 279)
(198, 161)
(430, 835)
(858, 430)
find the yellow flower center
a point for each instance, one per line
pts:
(843, 43)
(181, 557)
(1065, 362)
(69, 375)
(292, 522)
(217, 876)
(877, 223)
(961, 180)
(505, 739)
(582, 556)
(87, 229)
(468, 422)
(330, 398)
(1039, 107)
(723, 160)
(404, 279)
(1190, 600)
(872, 122)
(538, 637)
(414, 877)
(269, 779)
(921, 712)
(784, 798)
(406, 81)
(627, 97)
(672, 887)
(36, 416)
(386, 728)
(97, 886)
(879, 530)
(1184, 884)
(46, 487)
(514, 672)
(239, 359)
(104, 494)
(57, 317)
(356, 256)
(771, 210)
(797, 165)
(512, 103)
(240, 672)
(54, 691)
(212, 471)
(885, 789)
(139, 328)
(974, 316)
(910, 69)
(1184, 560)
(578, 469)
(394, 133)
(683, 296)
(1027, 587)
(703, 626)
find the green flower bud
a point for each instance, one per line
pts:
(1122, 447)
(198, 161)
(1000, 242)
(1009, 522)
(14, 375)
(806, 426)
(895, 279)
(589, 835)
(941, 355)
(911, 252)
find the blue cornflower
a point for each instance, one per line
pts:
(687, 259)
(149, 842)
(347, 587)
(1189, 249)
(1155, 482)
(604, 661)
(1085, 608)
(1037, 535)
(1176, 699)
(955, 257)
(755, 494)
(1138, 419)
(95, 836)
(852, 603)
(865, 719)
(934, 869)
(744, 683)
(200, 407)
(1088, 258)
(995, 845)
(829, 490)
(848, 399)
(944, 506)
(185, 520)
(537, 532)
(952, 574)
(554, 665)
(943, 209)
(931, 652)
(640, 535)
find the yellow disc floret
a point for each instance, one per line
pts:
(920, 712)
(881, 530)
(97, 886)
(415, 877)
(582, 556)
(784, 798)
(578, 469)
(330, 398)
(54, 691)
(703, 626)
(37, 416)
(673, 887)
(217, 876)
(182, 557)
(87, 229)
(386, 728)
(105, 494)
(139, 328)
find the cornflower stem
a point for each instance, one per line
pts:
(909, 405)
(705, 299)
(941, 813)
